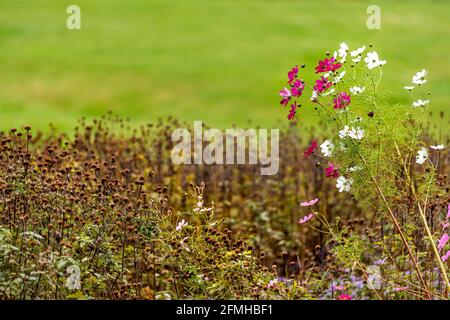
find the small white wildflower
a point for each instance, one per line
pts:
(73, 282)
(438, 147)
(181, 224)
(342, 51)
(419, 77)
(344, 132)
(184, 245)
(373, 61)
(327, 148)
(344, 184)
(422, 155)
(357, 90)
(408, 87)
(356, 133)
(420, 103)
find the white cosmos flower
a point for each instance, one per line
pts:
(356, 133)
(438, 147)
(420, 103)
(357, 59)
(419, 77)
(358, 51)
(373, 61)
(326, 148)
(409, 88)
(342, 52)
(344, 184)
(344, 132)
(422, 155)
(357, 90)
(339, 77)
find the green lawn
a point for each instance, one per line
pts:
(220, 61)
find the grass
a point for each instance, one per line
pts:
(217, 61)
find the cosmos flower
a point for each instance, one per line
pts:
(446, 256)
(309, 203)
(373, 61)
(341, 101)
(438, 147)
(306, 218)
(356, 133)
(326, 148)
(286, 94)
(312, 147)
(327, 65)
(342, 52)
(344, 132)
(419, 77)
(344, 184)
(292, 74)
(420, 103)
(292, 112)
(448, 212)
(331, 171)
(322, 84)
(339, 77)
(297, 88)
(422, 155)
(357, 53)
(357, 90)
(443, 241)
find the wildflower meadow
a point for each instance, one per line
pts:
(346, 197)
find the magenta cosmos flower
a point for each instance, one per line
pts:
(331, 171)
(312, 147)
(286, 94)
(344, 296)
(443, 241)
(292, 74)
(327, 65)
(322, 84)
(341, 101)
(297, 88)
(309, 203)
(292, 112)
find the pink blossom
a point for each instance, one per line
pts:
(286, 94)
(322, 84)
(448, 211)
(309, 203)
(292, 112)
(443, 241)
(327, 65)
(292, 74)
(306, 218)
(297, 88)
(400, 288)
(446, 256)
(312, 147)
(445, 225)
(341, 101)
(344, 296)
(336, 287)
(331, 171)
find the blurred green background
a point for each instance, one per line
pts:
(222, 62)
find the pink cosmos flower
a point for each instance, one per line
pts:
(292, 74)
(341, 101)
(306, 218)
(443, 241)
(446, 256)
(309, 203)
(292, 112)
(344, 296)
(327, 65)
(331, 171)
(322, 84)
(297, 88)
(448, 211)
(312, 147)
(286, 94)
